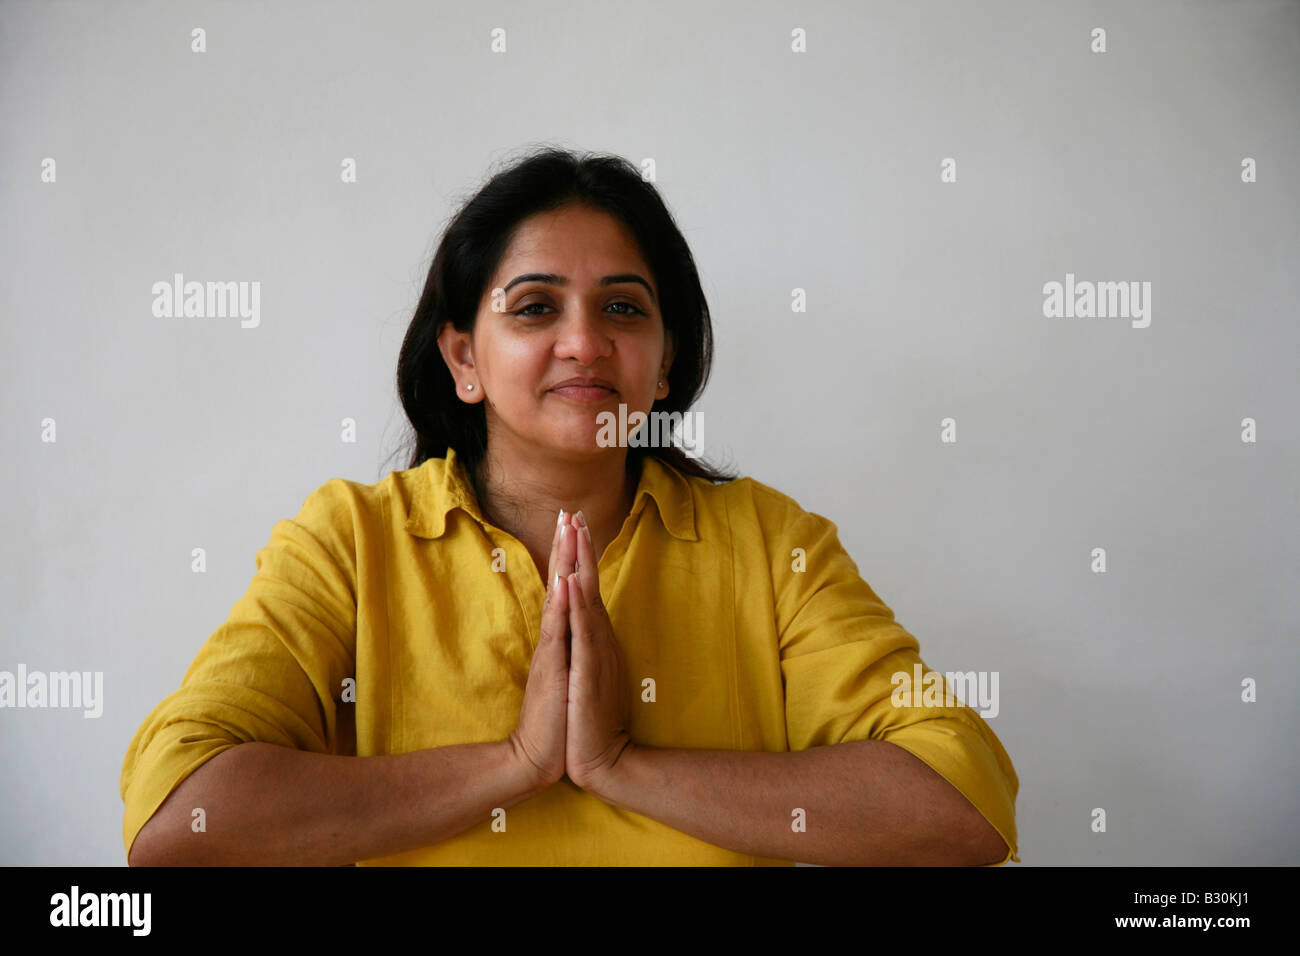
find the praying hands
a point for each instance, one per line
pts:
(576, 711)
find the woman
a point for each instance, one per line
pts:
(536, 647)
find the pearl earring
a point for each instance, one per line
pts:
(469, 387)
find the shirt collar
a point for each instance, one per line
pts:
(441, 484)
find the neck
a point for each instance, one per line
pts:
(523, 495)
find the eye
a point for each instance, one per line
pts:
(631, 310)
(531, 305)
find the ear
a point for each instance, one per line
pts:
(458, 352)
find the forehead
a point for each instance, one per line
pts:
(571, 240)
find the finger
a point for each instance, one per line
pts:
(588, 569)
(555, 616)
(555, 547)
(567, 553)
(558, 564)
(579, 628)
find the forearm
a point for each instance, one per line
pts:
(865, 803)
(266, 805)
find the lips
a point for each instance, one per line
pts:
(580, 393)
(585, 382)
(585, 389)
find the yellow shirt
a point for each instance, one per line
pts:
(396, 585)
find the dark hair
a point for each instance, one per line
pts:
(468, 256)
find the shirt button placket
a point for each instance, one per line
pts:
(526, 584)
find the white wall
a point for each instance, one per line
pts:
(816, 170)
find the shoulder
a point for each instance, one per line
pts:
(755, 509)
(343, 501)
(760, 499)
(342, 513)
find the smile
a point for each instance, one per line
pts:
(584, 393)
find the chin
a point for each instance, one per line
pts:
(584, 445)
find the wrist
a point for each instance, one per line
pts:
(610, 779)
(528, 778)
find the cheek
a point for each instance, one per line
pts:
(519, 375)
(649, 363)
(518, 365)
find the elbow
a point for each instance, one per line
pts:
(151, 847)
(142, 851)
(982, 845)
(136, 856)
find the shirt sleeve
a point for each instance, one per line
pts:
(273, 671)
(840, 649)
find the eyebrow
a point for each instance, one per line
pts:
(553, 279)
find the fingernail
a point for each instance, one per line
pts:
(582, 520)
(557, 581)
(560, 520)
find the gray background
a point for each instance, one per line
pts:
(817, 171)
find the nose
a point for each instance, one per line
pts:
(582, 336)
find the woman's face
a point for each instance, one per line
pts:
(571, 298)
